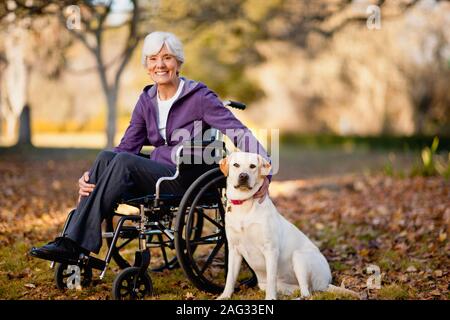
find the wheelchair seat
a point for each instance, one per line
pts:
(148, 200)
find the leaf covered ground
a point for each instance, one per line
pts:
(399, 226)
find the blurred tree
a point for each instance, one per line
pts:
(12, 10)
(428, 76)
(87, 22)
(92, 29)
(222, 35)
(295, 20)
(219, 38)
(223, 38)
(16, 78)
(21, 26)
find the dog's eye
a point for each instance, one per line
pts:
(252, 166)
(236, 165)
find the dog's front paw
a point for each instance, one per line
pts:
(223, 297)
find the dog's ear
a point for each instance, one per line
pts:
(223, 164)
(264, 166)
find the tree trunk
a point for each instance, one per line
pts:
(11, 121)
(112, 118)
(25, 127)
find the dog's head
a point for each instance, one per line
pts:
(245, 171)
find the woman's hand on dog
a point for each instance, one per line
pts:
(263, 191)
(85, 187)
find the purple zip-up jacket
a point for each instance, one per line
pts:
(195, 103)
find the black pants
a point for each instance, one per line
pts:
(117, 176)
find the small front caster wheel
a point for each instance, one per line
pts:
(128, 285)
(66, 276)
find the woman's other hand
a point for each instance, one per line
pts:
(85, 187)
(263, 191)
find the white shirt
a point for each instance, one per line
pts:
(164, 108)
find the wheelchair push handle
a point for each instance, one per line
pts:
(234, 104)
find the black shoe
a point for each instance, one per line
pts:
(62, 249)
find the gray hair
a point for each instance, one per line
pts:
(154, 41)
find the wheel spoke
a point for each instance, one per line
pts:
(214, 222)
(212, 255)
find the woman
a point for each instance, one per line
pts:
(171, 104)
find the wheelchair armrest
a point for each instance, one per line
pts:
(177, 173)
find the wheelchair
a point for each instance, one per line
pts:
(177, 231)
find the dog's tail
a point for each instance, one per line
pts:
(341, 290)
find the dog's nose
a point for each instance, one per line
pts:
(243, 177)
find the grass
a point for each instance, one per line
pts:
(391, 260)
(383, 142)
(338, 266)
(331, 296)
(23, 277)
(428, 162)
(396, 292)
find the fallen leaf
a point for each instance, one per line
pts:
(403, 278)
(404, 233)
(189, 296)
(411, 269)
(319, 226)
(30, 285)
(363, 252)
(438, 273)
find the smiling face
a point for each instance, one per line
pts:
(163, 67)
(245, 172)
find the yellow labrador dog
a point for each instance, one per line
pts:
(283, 258)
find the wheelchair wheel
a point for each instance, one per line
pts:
(203, 256)
(128, 285)
(63, 274)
